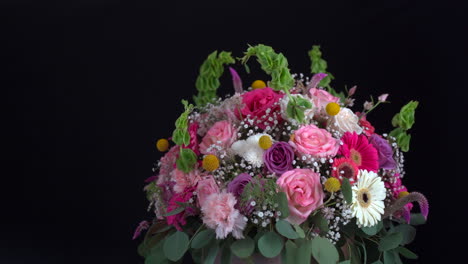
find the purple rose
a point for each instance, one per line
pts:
(385, 151)
(278, 159)
(237, 185)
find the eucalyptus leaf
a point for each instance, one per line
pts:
(285, 229)
(407, 253)
(417, 219)
(408, 232)
(319, 221)
(243, 248)
(270, 245)
(291, 252)
(203, 238)
(304, 251)
(346, 190)
(324, 251)
(345, 262)
(226, 254)
(389, 257)
(377, 262)
(300, 232)
(212, 253)
(176, 245)
(372, 230)
(390, 241)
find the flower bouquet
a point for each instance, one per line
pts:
(282, 171)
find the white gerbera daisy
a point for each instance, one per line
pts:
(250, 150)
(368, 198)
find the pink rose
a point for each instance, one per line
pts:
(311, 140)
(222, 134)
(206, 187)
(321, 98)
(304, 193)
(185, 180)
(258, 101)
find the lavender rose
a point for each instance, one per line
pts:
(385, 151)
(278, 159)
(237, 185)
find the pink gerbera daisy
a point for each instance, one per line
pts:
(358, 148)
(345, 167)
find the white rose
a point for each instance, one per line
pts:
(308, 113)
(345, 121)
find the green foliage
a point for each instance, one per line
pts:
(408, 232)
(300, 232)
(407, 253)
(319, 65)
(319, 221)
(176, 245)
(402, 138)
(274, 64)
(403, 121)
(212, 253)
(283, 207)
(390, 241)
(208, 80)
(324, 251)
(296, 107)
(285, 229)
(304, 251)
(226, 254)
(203, 238)
(347, 191)
(175, 211)
(417, 219)
(291, 252)
(373, 230)
(243, 248)
(270, 245)
(181, 136)
(156, 255)
(186, 160)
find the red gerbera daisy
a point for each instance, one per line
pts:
(345, 167)
(358, 148)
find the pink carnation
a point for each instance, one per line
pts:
(205, 188)
(219, 214)
(321, 98)
(304, 192)
(178, 220)
(314, 141)
(222, 134)
(258, 101)
(184, 180)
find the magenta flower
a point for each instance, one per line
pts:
(236, 80)
(141, 227)
(279, 157)
(178, 220)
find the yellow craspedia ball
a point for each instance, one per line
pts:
(265, 142)
(162, 144)
(402, 194)
(332, 184)
(210, 162)
(258, 84)
(332, 109)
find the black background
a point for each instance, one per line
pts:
(88, 86)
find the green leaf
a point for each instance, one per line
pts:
(407, 253)
(304, 251)
(156, 255)
(291, 252)
(302, 102)
(417, 219)
(285, 229)
(408, 232)
(319, 221)
(212, 253)
(243, 248)
(405, 118)
(402, 138)
(346, 190)
(300, 232)
(389, 257)
(226, 256)
(324, 251)
(175, 211)
(390, 241)
(270, 245)
(283, 207)
(345, 262)
(203, 238)
(176, 245)
(372, 230)
(377, 262)
(187, 160)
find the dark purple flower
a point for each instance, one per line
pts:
(237, 185)
(385, 151)
(278, 159)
